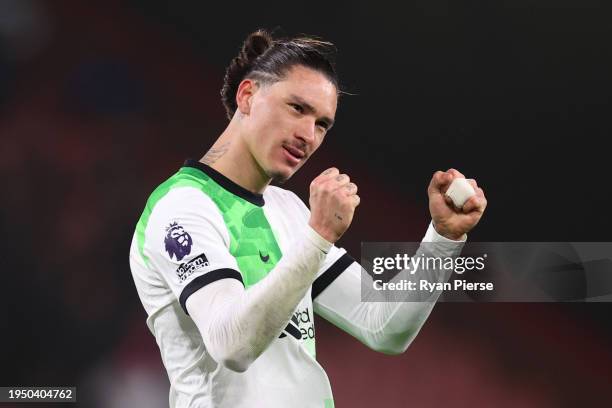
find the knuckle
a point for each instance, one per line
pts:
(455, 172)
(329, 171)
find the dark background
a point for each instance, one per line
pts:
(101, 101)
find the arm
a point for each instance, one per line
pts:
(237, 325)
(388, 327)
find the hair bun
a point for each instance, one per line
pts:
(255, 45)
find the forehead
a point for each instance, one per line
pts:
(311, 86)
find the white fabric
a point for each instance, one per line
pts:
(286, 372)
(237, 325)
(237, 329)
(388, 327)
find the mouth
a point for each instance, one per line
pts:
(293, 154)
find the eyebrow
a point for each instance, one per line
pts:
(309, 107)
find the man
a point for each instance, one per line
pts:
(230, 269)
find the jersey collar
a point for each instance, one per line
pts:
(226, 183)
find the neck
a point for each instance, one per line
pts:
(230, 156)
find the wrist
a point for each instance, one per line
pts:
(323, 232)
(317, 240)
(447, 233)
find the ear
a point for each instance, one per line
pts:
(244, 95)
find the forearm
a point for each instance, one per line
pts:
(388, 327)
(237, 325)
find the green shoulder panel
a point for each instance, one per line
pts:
(252, 241)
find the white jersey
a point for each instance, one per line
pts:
(199, 227)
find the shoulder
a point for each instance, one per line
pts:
(285, 204)
(185, 196)
(277, 194)
(184, 200)
(187, 206)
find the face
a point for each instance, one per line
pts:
(287, 121)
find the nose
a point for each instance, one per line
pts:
(307, 131)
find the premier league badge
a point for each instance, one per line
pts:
(178, 242)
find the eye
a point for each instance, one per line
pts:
(298, 108)
(322, 125)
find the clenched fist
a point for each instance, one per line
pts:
(333, 199)
(449, 221)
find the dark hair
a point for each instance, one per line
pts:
(267, 60)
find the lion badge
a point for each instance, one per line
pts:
(178, 242)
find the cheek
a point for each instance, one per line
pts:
(266, 121)
(319, 142)
(272, 132)
(265, 114)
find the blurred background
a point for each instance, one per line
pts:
(101, 101)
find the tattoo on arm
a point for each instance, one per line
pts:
(214, 154)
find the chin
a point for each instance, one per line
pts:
(280, 176)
